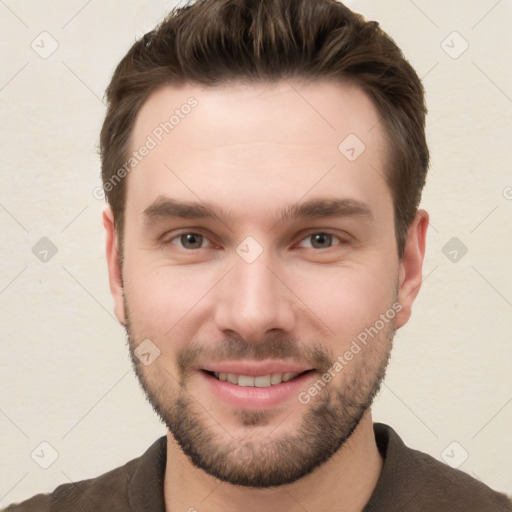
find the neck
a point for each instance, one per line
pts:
(347, 479)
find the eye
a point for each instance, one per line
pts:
(319, 240)
(189, 240)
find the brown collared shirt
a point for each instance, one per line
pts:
(410, 481)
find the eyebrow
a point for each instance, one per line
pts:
(315, 208)
(168, 208)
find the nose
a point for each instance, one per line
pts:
(253, 301)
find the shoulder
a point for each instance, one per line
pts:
(105, 492)
(108, 492)
(414, 481)
(454, 489)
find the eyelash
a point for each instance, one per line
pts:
(309, 235)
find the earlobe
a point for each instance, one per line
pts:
(411, 265)
(115, 276)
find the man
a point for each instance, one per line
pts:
(263, 163)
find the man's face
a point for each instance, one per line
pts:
(298, 258)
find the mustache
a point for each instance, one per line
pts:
(273, 346)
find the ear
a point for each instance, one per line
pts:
(411, 264)
(114, 267)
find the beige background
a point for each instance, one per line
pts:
(66, 377)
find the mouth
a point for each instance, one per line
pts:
(255, 386)
(260, 381)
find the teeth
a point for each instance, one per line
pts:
(245, 380)
(276, 378)
(263, 381)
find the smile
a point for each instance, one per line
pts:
(262, 381)
(254, 386)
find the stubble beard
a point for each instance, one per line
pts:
(260, 462)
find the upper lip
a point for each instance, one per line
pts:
(256, 368)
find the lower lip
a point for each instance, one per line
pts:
(250, 397)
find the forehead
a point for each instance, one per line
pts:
(249, 112)
(239, 141)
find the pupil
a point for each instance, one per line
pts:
(321, 240)
(191, 240)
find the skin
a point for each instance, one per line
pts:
(251, 151)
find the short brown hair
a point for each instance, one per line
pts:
(218, 41)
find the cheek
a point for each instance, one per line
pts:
(346, 299)
(164, 300)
